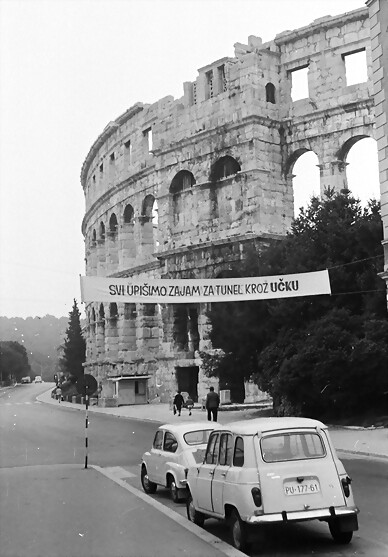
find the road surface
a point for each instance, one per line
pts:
(51, 505)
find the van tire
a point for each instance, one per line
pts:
(342, 538)
(193, 515)
(148, 486)
(238, 531)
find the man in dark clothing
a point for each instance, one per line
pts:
(212, 404)
(178, 403)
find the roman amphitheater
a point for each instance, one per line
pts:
(180, 188)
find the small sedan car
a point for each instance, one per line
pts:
(175, 448)
(26, 379)
(271, 470)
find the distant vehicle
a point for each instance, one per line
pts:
(271, 470)
(38, 379)
(175, 448)
(26, 379)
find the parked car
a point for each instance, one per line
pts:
(271, 470)
(175, 448)
(26, 379)
(38, 379)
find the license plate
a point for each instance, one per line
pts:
(303, 488)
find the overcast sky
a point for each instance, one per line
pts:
(67, 68)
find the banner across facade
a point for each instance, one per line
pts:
(184, 291)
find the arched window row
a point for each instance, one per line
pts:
(183, 181)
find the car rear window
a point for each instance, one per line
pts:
(292, 446)
(197, 437)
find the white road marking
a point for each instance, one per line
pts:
(119, 472)
(222, 546)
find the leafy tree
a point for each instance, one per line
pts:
(13, 362)
(74, 348)
(300, 349)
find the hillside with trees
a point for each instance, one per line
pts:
(319, 356)
(13, 362)
(43, 339)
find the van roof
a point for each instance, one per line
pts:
(263, 425)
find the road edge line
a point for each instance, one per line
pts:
(205, 536)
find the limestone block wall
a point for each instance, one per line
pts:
(378, 14)
(179, 188)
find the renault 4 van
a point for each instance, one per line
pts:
(271, 470)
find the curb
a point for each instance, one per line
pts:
(145, 419)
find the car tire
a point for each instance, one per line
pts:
(339, 537)
(148, 486)
(238, 531)
(193, 515)
(174, 491)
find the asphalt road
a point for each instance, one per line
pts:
(50, 505)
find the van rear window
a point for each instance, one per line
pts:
(292, 446)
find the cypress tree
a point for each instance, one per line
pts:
(74, 348)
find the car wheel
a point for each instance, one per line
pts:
(174, 492)
(238, 531)
(148, 486)
(193, 515)
(342, 538)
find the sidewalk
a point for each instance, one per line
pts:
(361, 441)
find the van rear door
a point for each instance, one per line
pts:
(297, 472)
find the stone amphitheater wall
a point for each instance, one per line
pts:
(179, 189)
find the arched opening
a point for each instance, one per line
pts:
(224, 167)
(102, 231)
(270, 93)
(150, 222)
(93, 241)
(113, 225)
(93, 316)
(362, 168)
(101, 312)
(113, 313)
(128, 214)
(183, 180)
(180, 185)
(304, 165)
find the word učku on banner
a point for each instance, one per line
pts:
(105, 289)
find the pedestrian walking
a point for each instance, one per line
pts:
(178, 403)
(189, 404)
(58, 393)
(212, 404)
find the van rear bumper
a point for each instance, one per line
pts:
(324, 514)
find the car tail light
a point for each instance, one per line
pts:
(346, 485)
(256, 494)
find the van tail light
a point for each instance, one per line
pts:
(346, 485)
(256, 494)
(186, 472)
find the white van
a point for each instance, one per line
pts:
(270, 470)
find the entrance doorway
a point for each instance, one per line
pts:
(187, 379)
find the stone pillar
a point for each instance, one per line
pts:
(127, 251)
(100, 339)
(127, 330)
(378, 18)
(147, 330)
(112, 254)
(101, 258)
(333, 175)
(146, 237)
(92, 260)
(111, 339)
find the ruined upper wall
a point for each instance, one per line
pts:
(241, 107)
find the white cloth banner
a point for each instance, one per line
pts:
(183, 291)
